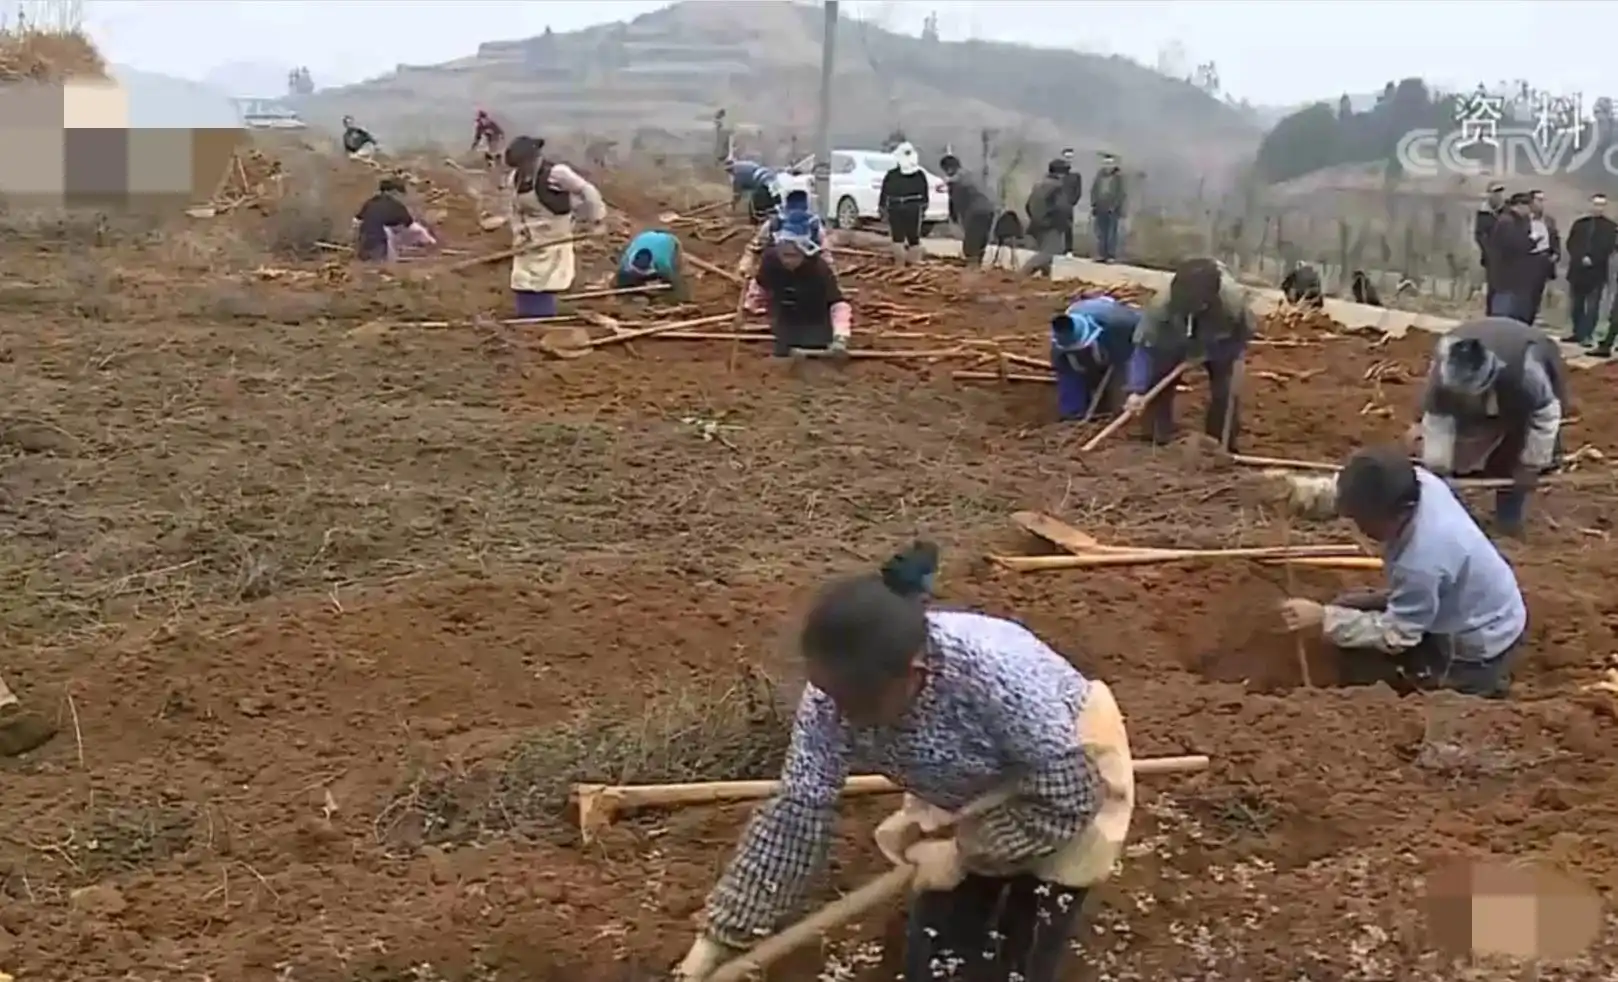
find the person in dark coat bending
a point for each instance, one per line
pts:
(1202, 317)
(1050, 217)
(1302, 286)
(1590, 245)
(970, 208)
(1493, 407)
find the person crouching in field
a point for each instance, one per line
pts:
(384, 224)
(542, 211)
(1091, 342)
(955, 707)
(798, 289)
(653, 256)
(794, 209)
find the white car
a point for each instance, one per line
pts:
(856, 185)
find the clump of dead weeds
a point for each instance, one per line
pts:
(735, 730)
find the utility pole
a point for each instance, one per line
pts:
(828, 58)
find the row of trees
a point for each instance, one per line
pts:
(1320, 136)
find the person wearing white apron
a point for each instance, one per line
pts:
(543, 195)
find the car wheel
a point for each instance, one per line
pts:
(848, 214)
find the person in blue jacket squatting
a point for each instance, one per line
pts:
(653, 256)
(1091, 342)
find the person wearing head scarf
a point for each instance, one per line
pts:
(1452, 615)
(1091, 342)
(357, 142)
(952, 706)
(1108, 196)
(752, 187)
(970, 208)
(796, 209)
(1203, 317)
(798, 290)
(384, 223)
(653, 256)
(1493, 407)
(903, 198)
(490, 135)
(542, 202)
(1050, 217)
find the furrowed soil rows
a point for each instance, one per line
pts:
(332, 605)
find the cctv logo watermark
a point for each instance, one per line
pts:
(1528, 152)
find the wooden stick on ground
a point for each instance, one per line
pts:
(974, 376)
(1149, 557)
(882, 890)
(708, 267)
(1101, 392)
(599, 804)
(1328, 562)
(1124, 418)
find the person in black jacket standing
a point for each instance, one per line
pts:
(1516, 271)
(1590, 244)
(1482, 227)
(1547, 248)
(903, 199)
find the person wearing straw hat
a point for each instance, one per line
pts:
(1452, 615)
(951, 706)
(542, 199)
(798, 290)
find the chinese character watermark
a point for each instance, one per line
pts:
(1491, 140)
(1479, 115)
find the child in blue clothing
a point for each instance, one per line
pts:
(653, 256)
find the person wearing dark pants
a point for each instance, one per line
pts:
(1091, 342)
(1050, 217)
(1516, 273)
(1202, 317)
(903, 198)
(1017, 775)
(970, 208)
(1107, 199)
(1590, 244)
(1493, 407)
(1452, 615)
(1547, 250)
(798, 290)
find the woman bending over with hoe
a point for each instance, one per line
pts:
(952, 706)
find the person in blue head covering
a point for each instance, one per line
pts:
(1091, 343)
(653, 256)
(797, 210)
(748, 179)
(798, 289)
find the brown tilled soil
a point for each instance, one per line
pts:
(331, 610)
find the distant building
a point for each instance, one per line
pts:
(268, 114)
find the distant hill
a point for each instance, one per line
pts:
(660, 77)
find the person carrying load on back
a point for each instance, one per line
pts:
(357, 142)
(970, 208)
(796, 209)
(1091, 342)
(1452, 615)
(903, 199)
(1050, 217)
(384, 223)
(952, 706)
(798, 289)
(1495, 399)
(1202, 317)
(542, 202)
(1108, 196)
(653, 256)
(490, 135)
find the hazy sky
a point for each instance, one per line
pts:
(1347, 46)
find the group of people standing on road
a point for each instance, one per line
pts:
(1522, 251)
(1051, 204)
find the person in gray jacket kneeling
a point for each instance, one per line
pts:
(1452, 616)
